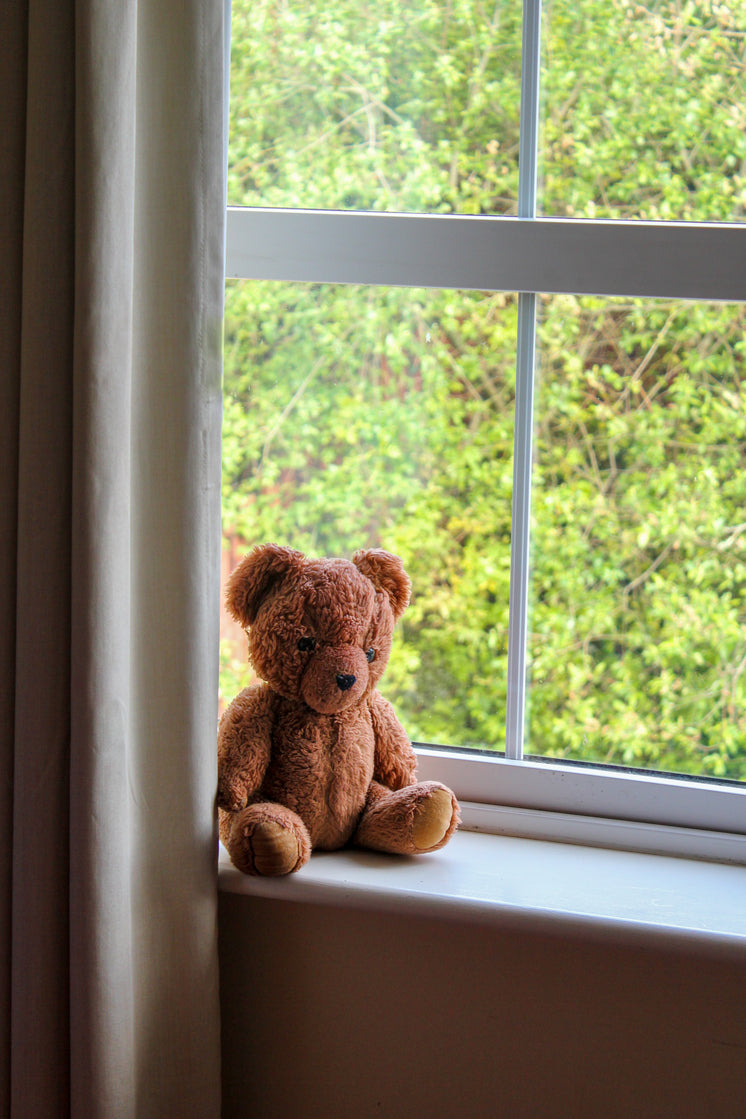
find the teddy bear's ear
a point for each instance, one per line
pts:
(255, 576)
(386, 573)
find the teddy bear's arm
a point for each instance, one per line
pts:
(244, 746)
(395, 760)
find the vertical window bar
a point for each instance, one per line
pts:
(524, 396)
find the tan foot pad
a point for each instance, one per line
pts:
(433, 820)
(274, 848)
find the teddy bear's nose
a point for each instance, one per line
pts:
(344, 683)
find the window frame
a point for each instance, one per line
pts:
(532, 256)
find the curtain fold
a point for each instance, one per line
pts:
(111, 281)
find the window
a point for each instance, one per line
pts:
(485, 307)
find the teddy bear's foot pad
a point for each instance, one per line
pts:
(274, 849)
(433, 818)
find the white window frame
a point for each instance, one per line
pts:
(529, 255)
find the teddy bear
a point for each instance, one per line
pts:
(312, 756)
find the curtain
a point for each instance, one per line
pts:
(112, 199)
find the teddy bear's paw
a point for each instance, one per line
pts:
(434, 819)
(408, 821)
(268, 840)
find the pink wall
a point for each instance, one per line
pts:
(341, 1013)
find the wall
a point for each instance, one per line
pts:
(341, 1013)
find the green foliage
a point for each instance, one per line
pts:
(375, 106)
(640, 559)
(361, 417)
(645, 114)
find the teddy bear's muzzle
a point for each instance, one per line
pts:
(335, 679)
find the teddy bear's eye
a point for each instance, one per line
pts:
(306, 644)
(371, 655)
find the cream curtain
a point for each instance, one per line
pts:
(111, 279)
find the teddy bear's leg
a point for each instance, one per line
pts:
(407, 821)
(265, 839)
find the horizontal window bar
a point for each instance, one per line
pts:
(677, 260)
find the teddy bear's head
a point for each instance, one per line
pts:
(319, 630)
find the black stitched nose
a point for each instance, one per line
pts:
(344, 683)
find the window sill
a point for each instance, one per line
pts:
(544, 886)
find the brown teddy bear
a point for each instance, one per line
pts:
(312, 756)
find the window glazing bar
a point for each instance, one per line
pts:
(528, 149)
(524, 394)
(667, 260)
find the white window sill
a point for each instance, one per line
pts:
(533, 884)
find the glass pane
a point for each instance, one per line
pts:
(385, 106)
(644, 110)
(369, 417)
(638, 621)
